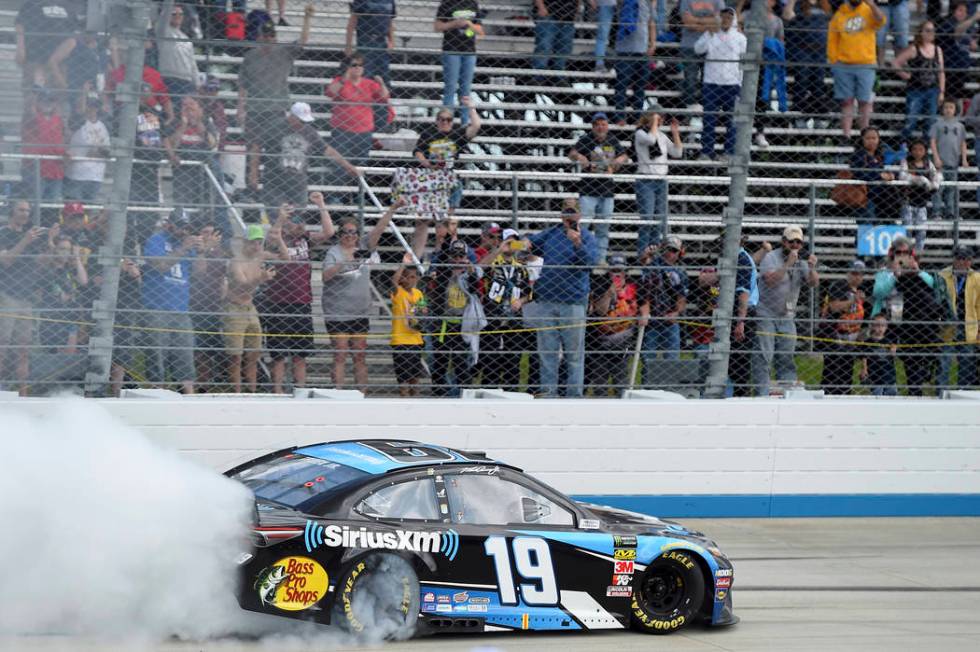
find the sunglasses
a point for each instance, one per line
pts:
(348, 232)
(444, 119)
(674, 250)
(795, 242)
(902, 252)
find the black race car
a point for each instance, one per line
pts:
(399, 538)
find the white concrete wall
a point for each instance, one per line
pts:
(733, 447)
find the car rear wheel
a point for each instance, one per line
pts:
(378, 595)
(668, 594)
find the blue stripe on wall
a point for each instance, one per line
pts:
(793, 505)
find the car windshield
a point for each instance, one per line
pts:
(293, 479)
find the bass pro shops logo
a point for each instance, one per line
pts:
(337, 536)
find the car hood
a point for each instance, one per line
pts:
(623, 519)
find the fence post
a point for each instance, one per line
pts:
(812, 236)
(36, 164)
(738, 171)
(110, 254)
(514, 202)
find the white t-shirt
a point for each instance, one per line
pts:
(89, 136)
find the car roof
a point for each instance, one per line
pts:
(379, 456)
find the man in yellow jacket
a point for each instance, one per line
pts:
(963, 284)
(852, 54)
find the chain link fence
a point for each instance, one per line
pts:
(415, 198)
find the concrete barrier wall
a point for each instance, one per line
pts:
(683, 458)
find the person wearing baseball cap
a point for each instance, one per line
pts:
(722, 49)
(783, 273)
(963, 286)
(662, 297)
(842, 311)
(489, 240)
(599, 155)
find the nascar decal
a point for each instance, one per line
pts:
(337, 536)
(292, 584)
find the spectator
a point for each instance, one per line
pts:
(698, 17)
(407, 305)
(947, 140)
(743, 335)
(346, 297)
(242, 328)
(956, 37)
(868, 165)
(214, 110)
(175, 51)
(722, 49)
(127, 339)
(851, 53)
(190, 146)
(169, 254)
(352, 123)
(923, 180)
(207, 297)
(75, 66)
(263, 89)
(972, 120)
(295, 142)
(613, 303)
(83, 175)
(490, 236)
(663, 297)
(605, 11)
(459, 22)
(156, 96)
(288, 298)
(599, 154)
(454, 290)
(925, 78)
(561, 297)
(774, 72)
(439, 146)
(878, 363)
(144, 185)
(652, 148)
(806, 47)
(62, 278)
(842, 309)
(281, 4)
(963, 286)
(373, 21)
(508, 288)
(43, 137)
(636, 43)
(20, 245)
(702, 301)
(783, 273)
(41, 27)
(896, 21)
(554, 31)
(74, 225)
(905, 295)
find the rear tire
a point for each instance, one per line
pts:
(668, 594)
(378, 595)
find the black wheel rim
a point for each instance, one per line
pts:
(662, 591)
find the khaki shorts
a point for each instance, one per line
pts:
(243, 332)
(16, 321)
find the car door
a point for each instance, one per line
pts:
(524, 560)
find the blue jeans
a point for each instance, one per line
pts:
(604, 18)
(920, 106)
(651, 204)
(659, 336)
(602, 208)
(896, 22)
(772, 349)
(718, 99)
(51, 190)
(946, 200)
(83, 191)
(630, 73)
(570, 340)
(457, 77)
(552, 37)
(966, 356)
(691, 62)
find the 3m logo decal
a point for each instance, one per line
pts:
(623, 567)
(336, 536)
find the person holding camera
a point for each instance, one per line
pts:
(652, 149)
(346, 296)
(783, 272)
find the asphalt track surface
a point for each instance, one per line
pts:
(800, 584)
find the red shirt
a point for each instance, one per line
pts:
(352, 111)
(292, 281)
(160, 95)
(45, 135)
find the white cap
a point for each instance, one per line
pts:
(510, 233)
(302, 111)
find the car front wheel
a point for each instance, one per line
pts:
(668, 594)
(378, 595)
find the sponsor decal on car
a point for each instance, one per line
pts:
(626, 567)
(624, 541)
(479, 600)
(442, 598)
(429, 597)
(462, 596)
(624, 553)
(621, 580)
(444, 607)
(478, 608)
(619, 591)
(292, 584)
(343, 536)
(682, 544)
(589, 524)
(720, 594)
(486, 470)
(428, 607)
(723, 582)
(723, 572)
(679, 557)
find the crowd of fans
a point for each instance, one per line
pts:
(552, 312)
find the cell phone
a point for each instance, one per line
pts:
(518, 245)
(804, 253)
(573, 226)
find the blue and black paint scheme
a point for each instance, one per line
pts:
(544, 562)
